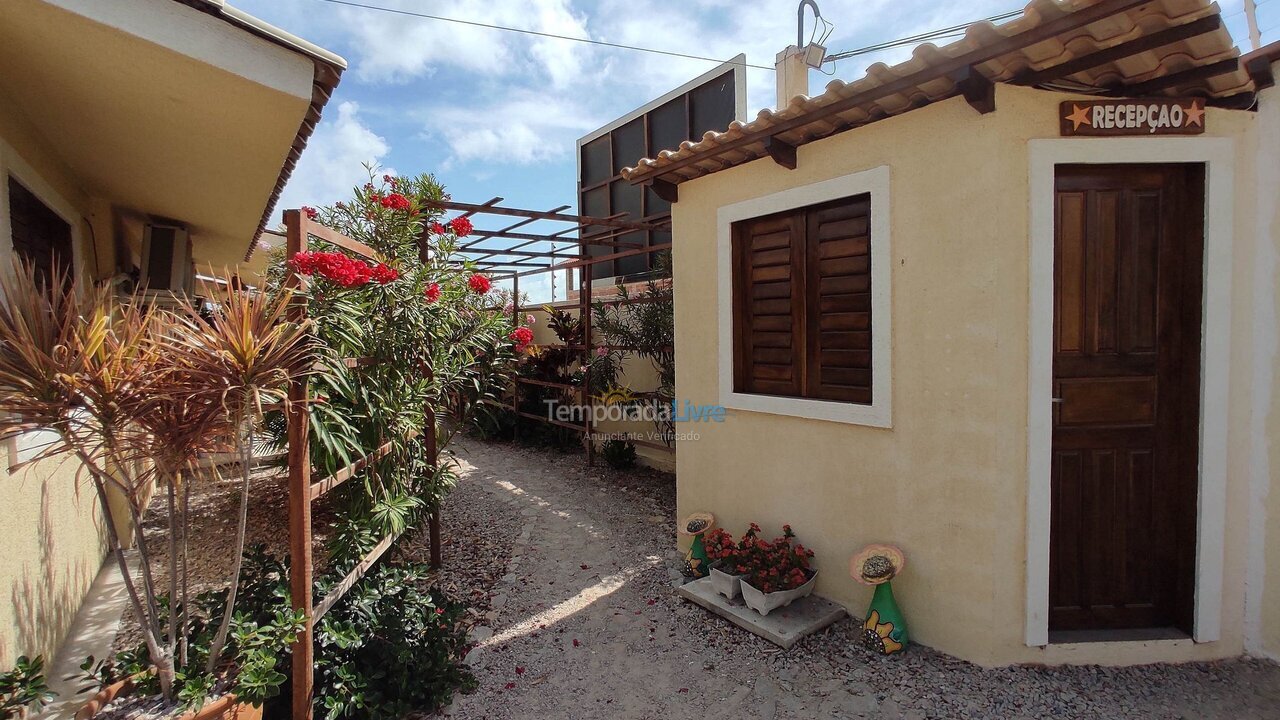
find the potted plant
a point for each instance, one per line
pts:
(779, 574)
(730, 560)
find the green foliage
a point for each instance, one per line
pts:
(23, 687)
(556, 364)
(261, 633)
(619, 454)
(494, 423)
(390, 647)
(645, 329)
(444, 353)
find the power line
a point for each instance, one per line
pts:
(939, 34)
(537, 33)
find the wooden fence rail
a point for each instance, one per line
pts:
(303, 492)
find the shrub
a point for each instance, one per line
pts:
(258, 641)
(23, 687)
(391, 647)
(620, 454)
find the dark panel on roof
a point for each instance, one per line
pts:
(595, 161)
(709, 105)
(627, 141)
(602, 192)
(669, 124)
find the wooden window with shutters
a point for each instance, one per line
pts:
(802, 302)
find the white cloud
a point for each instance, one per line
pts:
(397, 48)
(331, 165)
(525, 127)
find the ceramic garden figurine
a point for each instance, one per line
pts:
(697, 564)
(884, 630)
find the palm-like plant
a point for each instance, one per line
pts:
(138, 395)
(241, 361)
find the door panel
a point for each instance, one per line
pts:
(1127, 307)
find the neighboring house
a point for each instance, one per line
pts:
(1043, 365)
(140, 140)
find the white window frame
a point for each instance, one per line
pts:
(1218, 156)
(880, 412)
(27, 446)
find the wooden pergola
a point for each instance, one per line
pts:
(536, 254)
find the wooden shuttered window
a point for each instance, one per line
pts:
(802, 302)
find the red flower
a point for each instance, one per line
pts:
(461, 226)
(432, 292)
(437, 228)
(394, 201)
(480, 283)
(334, 267)
(383, 274)
(521, 336)
(389, 179)
(310, 212)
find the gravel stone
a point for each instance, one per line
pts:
(643, 653)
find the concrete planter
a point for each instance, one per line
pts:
(726, 584)
(224, 708)
(764, 603)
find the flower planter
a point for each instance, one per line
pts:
(224, 708)
(764, 603)
(727, 584)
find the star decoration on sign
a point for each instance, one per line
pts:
(1079, 117)
(1195, 115)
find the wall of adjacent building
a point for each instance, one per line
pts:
(1263, 600)
(54, 542)
(948, 482)
(638, 375)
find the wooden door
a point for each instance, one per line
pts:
(1126, 374)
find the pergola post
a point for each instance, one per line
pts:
(300, 568)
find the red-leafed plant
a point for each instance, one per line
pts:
(768, 566)
(732, 557)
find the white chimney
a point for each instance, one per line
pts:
(793, 75)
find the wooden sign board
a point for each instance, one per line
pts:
(1157, 116)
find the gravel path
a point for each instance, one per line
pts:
(582, 622)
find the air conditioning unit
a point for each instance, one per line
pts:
(166, 259)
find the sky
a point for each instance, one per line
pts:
(495, 113)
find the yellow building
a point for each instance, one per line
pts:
(141, 141)
(1011, 305)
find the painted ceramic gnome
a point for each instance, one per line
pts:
(884, 630)
(697, 564)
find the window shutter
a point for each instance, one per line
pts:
(838, 326)
(768, 312)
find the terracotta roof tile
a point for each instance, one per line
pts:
(710, 154)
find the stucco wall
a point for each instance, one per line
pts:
(1265, 499)
(53, 544)
(948, 482)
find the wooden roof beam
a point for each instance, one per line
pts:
(782, 153)
(515, 253)
(1164, 82)
(668, 191)
(580, 220)
(977, 89)
(511, 227)
(1123, 50)
(1044, 31)
(1259, 69)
